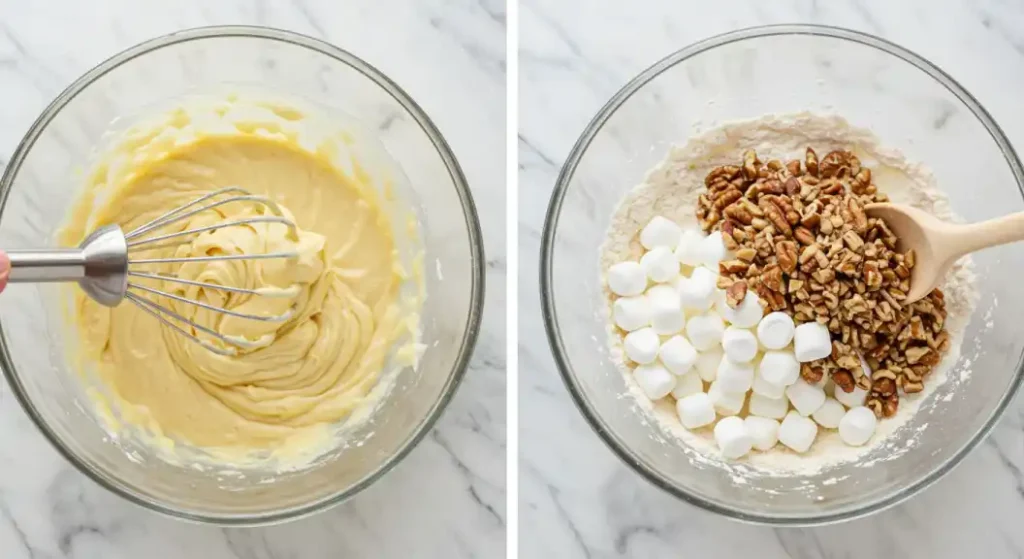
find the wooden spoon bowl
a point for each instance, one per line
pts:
(939, 244)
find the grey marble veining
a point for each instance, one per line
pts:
(447, 498)
(577, 500)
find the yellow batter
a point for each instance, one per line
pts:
(302, 374)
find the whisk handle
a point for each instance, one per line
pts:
(32, 266)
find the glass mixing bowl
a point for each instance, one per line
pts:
(40, 184)
(911, 105)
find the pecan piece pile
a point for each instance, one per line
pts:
(805, 245)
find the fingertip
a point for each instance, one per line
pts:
(5, 269)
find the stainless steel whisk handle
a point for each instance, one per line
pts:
(99, 265)
(34, 266)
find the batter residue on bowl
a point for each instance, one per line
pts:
(301, 375)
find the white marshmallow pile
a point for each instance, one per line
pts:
(678, 355)
(775, 330)
(696, 410)
(811, 341)
(740, 345)
(660, 264)
(797, 432)
(737, 370)
(697, 292)
(667, 316)
(857, 426)
(733, 438)
(627, 278)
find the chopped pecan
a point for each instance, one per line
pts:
(831, 163)
(861, 181)
(772, 278)
(733, 267)
(722, 199)
(785, 253)
(792, 186)
(735, 293)
(772, 186)
(843, 380)
(803, 235)
(872, 277)
(811, 373)
(807, 254)
(885, 386)
(912, 387)
(746, 254)
(751, 165)
(811, 162)
(738, 213)
(726, 172)
(775, 215)
(853, 240)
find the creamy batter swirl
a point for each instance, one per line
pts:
(342, 289)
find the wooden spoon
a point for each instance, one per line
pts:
(938, 244)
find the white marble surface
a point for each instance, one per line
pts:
(447, 498)
(577, 499)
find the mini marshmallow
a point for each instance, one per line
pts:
(708, 362)
(766, 388)
(687, 384)
(797, 432)
(695, 410)
(705, 330)
(740, 345)
(763, 432)
(725, 403)
(660, 265)
(642, 345)
(678, 355)
(632, 313)
(746, 315)
(851, 399)
(811, 341)
(763, 406)
(698, 291)
(688, 249)
(627, 279)
(660, 232)
(806, 398)
(775, 330)
(733, 377)
(666, 311)
(711, 250)
(857, 426)
(654, 380)
(829, 414)
(732, 437)
(779, 368)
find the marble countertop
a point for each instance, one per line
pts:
(577, 500)
(49, 510)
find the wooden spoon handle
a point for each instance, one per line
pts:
(994, 232)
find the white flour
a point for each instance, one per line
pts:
(671, 190)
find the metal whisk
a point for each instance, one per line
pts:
(102, 265)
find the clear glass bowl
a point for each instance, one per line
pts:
(39, 186)
(911, 105)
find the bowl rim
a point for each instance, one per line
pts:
(551, 322)
(473, 320)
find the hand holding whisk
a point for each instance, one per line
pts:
(103, 266)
